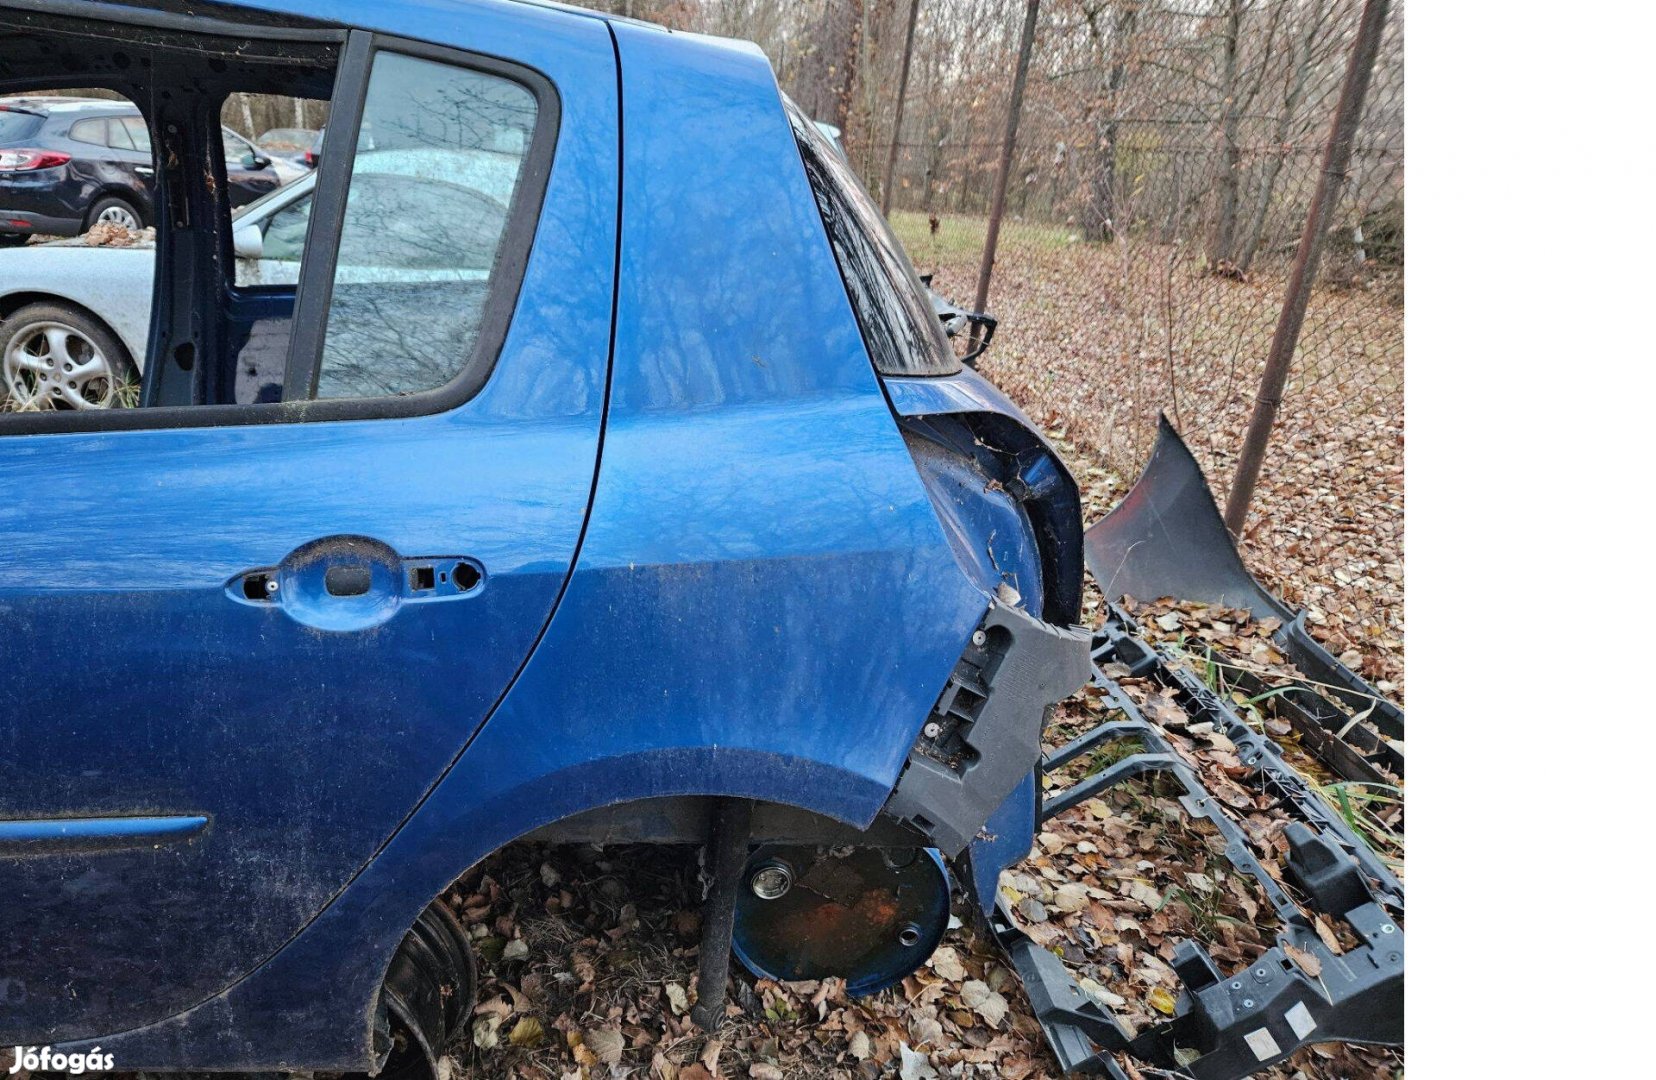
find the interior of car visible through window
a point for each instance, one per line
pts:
(281, 275)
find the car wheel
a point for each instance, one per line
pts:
(11, 239)
(56, 357)
(113, 211)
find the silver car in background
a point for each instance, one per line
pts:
(75, 314)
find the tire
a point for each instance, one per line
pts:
(11, 239)
(54, 356)
(116, 211)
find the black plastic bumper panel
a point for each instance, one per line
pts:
(1167, 538)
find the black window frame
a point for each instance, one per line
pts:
(315, 285)
(856, 229)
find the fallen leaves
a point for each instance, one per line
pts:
(977, 996)
(606, 1044)
(946, 963)
(1307, 961)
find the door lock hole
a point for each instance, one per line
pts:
(466, 577)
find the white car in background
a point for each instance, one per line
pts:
(74, 318)
(238, 147)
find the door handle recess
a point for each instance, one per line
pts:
(353, 582)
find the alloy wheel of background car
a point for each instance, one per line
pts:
(55, 358)
(116, 212)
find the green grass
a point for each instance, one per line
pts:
(1111, 753)
(1355, 802)
(960, 237)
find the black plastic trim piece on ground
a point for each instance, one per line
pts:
(1227, 1027)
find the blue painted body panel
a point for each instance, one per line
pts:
(1006, 840)
(966, 392)
(1009, 556)
(133, 685)
(760, 599)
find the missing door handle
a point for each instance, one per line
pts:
(351, 582)
(347, 580)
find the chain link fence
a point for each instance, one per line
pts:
(1166, 160)
(1165, 164)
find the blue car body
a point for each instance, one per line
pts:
(713, 562)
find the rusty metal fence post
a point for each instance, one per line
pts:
(1026, 44)
(1303, 275)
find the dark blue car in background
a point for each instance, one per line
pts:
(67, 163)
(672, 518)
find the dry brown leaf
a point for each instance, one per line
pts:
(1308, 962)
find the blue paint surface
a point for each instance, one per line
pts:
(730, 581)
(1005, 840)
(134, 685)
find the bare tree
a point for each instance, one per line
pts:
(1312, 45)
(1099, 222)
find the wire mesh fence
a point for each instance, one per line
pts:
(1167, 155)
(1166, 159)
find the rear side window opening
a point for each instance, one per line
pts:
(900, 328)
(376, 279)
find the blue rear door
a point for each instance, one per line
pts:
(234, 656)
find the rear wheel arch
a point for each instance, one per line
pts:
(645, 820)
(343, 957)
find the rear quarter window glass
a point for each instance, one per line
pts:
(89, 131)
(137, 132)
(120, 137)
(903, 334)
